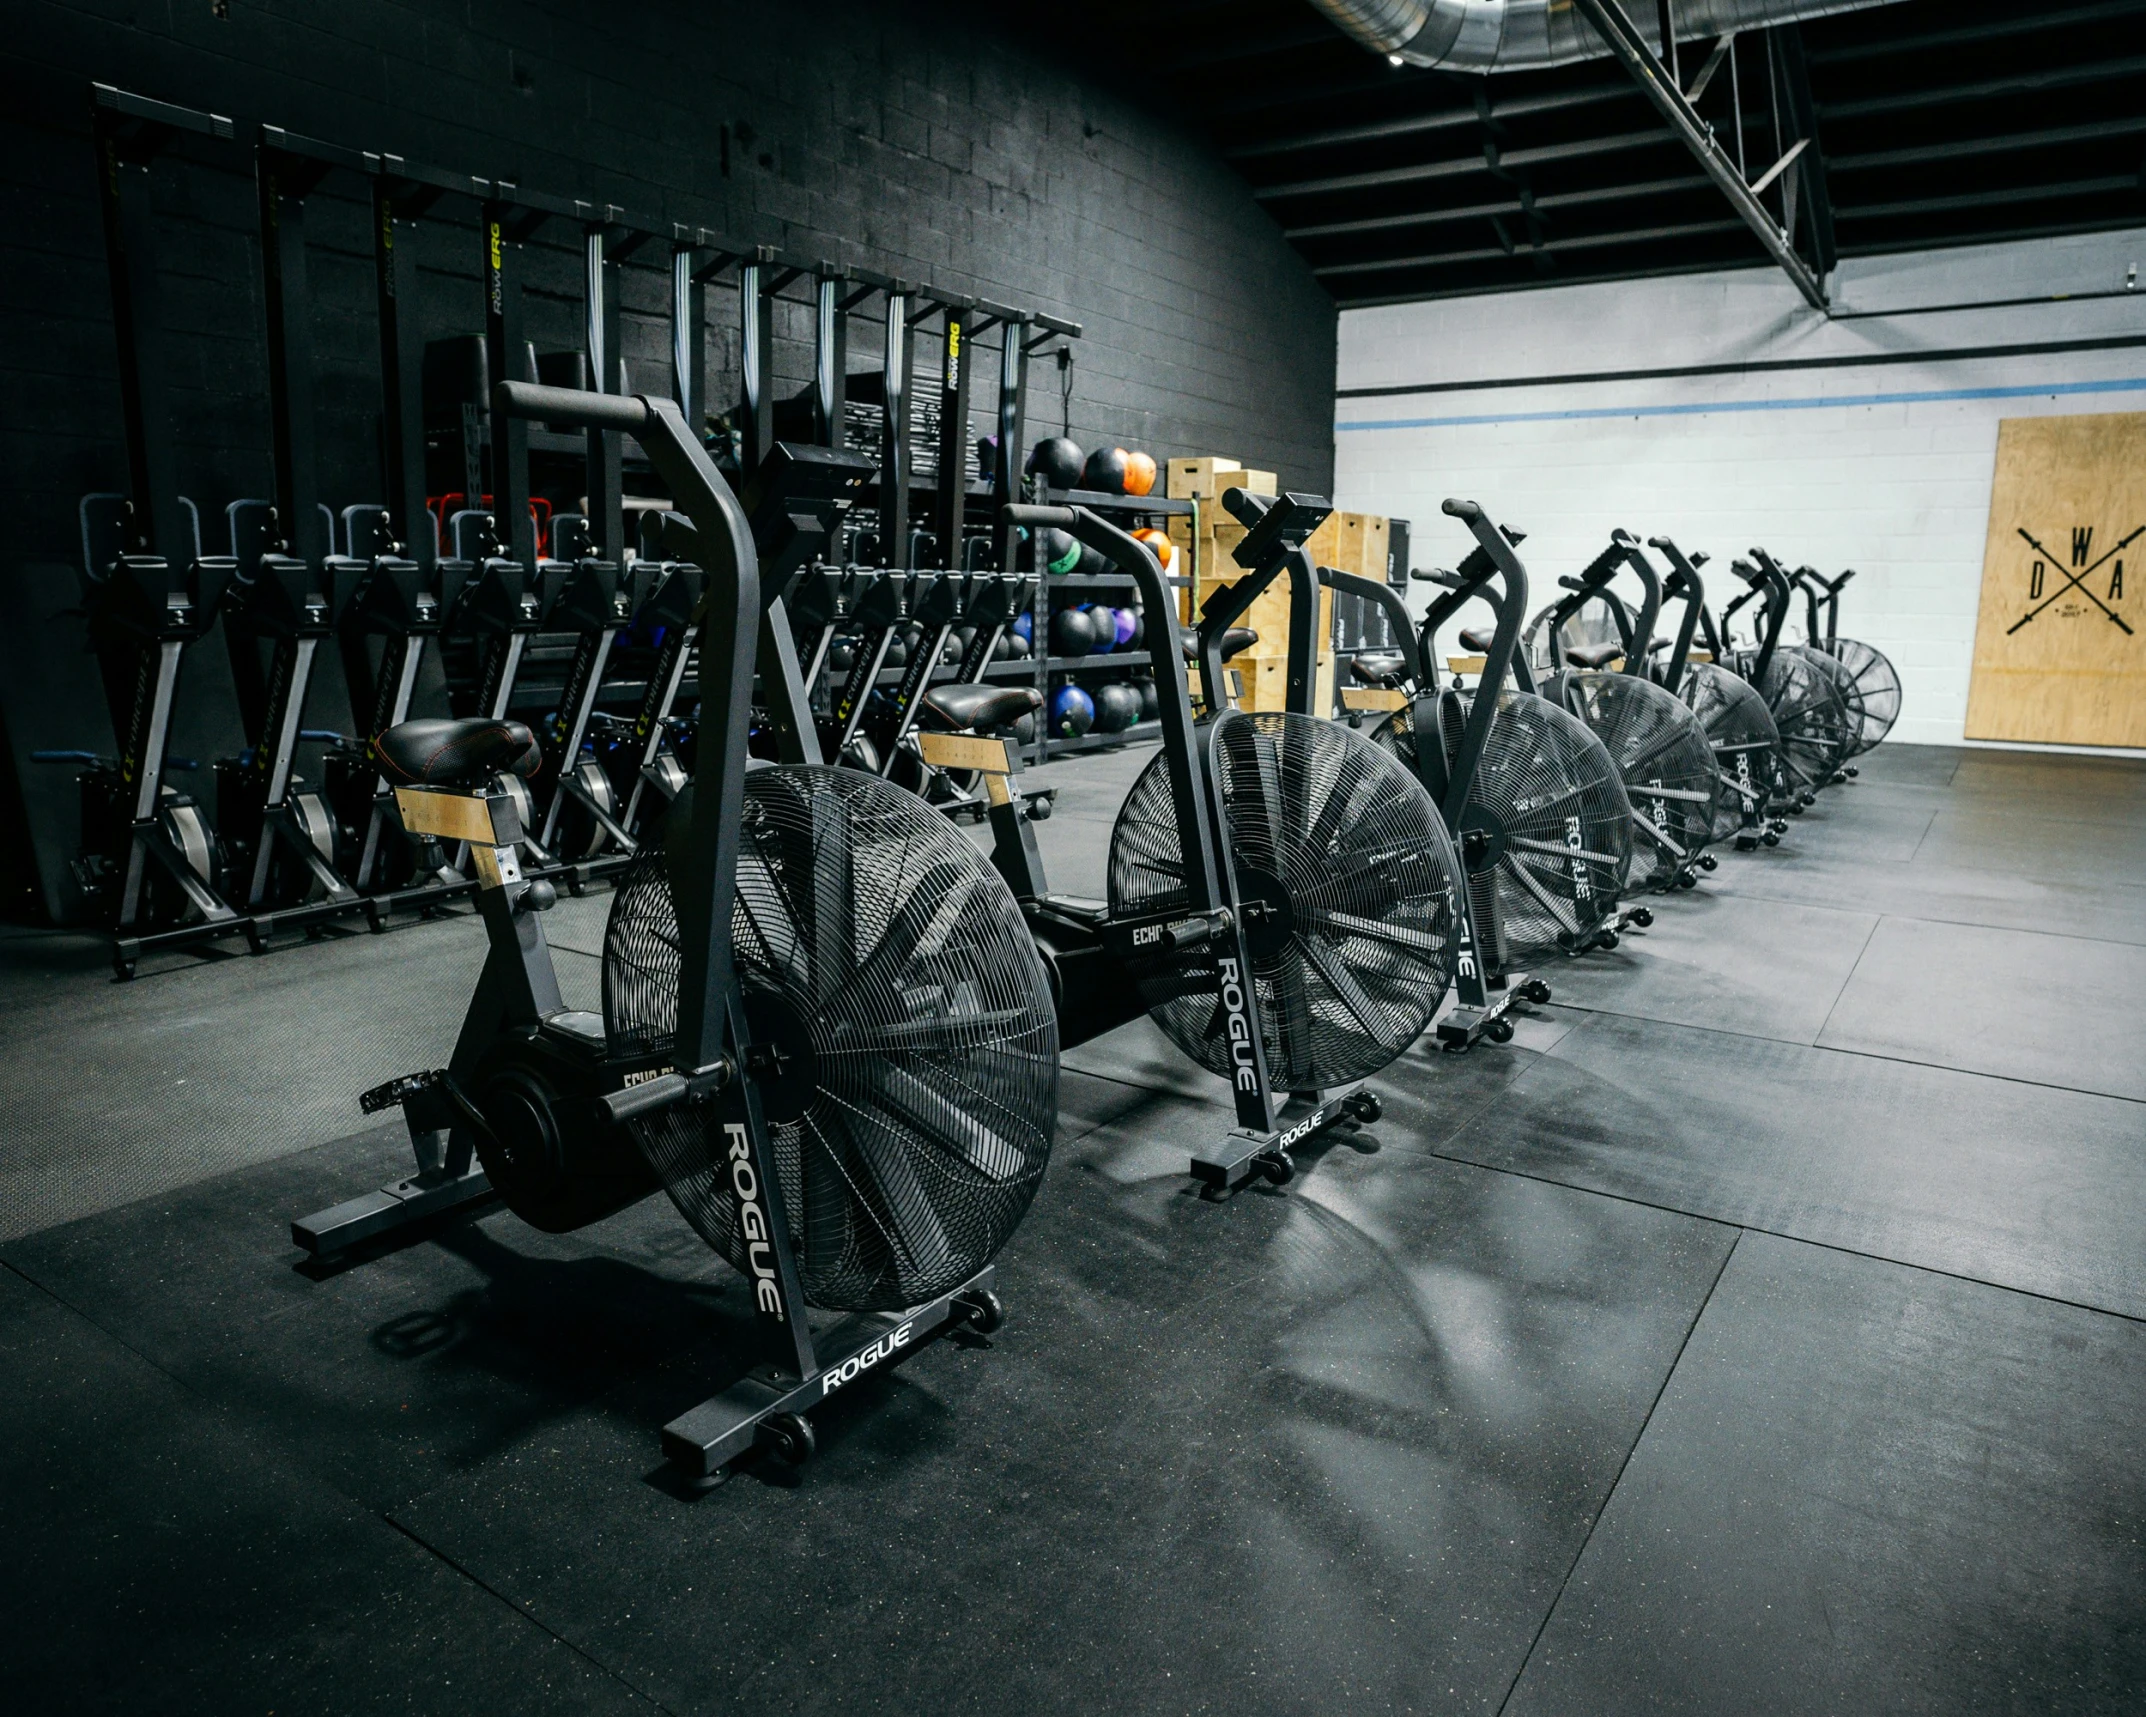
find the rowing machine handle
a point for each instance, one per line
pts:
(1037, 518)
(585, 410)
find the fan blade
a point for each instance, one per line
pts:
(945, 1125)
(926, 918)
(874, 1161)
(950, 1032)
(1555, 849)
(1398, 936)
(1659, 836)
(1566, 919)
(1347, 991)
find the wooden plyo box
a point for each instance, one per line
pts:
(2060, 639)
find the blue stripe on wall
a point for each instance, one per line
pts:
(1809, 402)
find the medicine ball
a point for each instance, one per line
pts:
(897, 653)
(1139, 474)
(1105, 471)
(1123, 623)
(1016, 647)
(1072, 712)
(1150, 701)
(964, 636)
(1071, 633)
(1024, 625)
(842, 655)
(1139, 639)
(1057, 461)
(1057, 553)
(1024, 728)
(1117, 707)
(1103, 622)
(1093, 562)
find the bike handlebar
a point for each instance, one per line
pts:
(1037, 518)
(627, 412)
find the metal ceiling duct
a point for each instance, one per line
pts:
(1523, 35)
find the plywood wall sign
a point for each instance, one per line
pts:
(2060, 645)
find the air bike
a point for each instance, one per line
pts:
(1800, 690)
(1869, 684)
(1534, 802)
(1280, 892)
(1661, 751)
(1739, 727)
(826, 1031)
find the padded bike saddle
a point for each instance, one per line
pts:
(1476, 639)
(1378, 667)
(1593, 655)
(436, 752)
(956, 709)
(1236, 639)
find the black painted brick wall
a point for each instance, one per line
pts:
(922, 139)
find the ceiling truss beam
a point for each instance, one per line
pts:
(1660, 86)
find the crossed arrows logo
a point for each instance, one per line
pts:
(2082, 545)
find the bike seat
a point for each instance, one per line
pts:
(1657, 646)
(1378, 667)
(956, 709)
(1234, 641)
(1593, 655)
(436, 752)
(1476, 639)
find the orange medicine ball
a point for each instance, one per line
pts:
(1160, 545)
(1139, 474)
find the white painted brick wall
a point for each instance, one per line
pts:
(1897, 487)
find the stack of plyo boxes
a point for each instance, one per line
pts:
(1206, 547)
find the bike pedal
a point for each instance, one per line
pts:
(396, 1091)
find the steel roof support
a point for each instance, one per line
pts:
(1810, 166)
(1660, 87)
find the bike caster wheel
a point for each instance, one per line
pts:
(1771, 840)
(1277, 1167)
(1039, 811)
(1607, 941)
(1454, 1048)
(1707, 861)
(1365, 1108)
(790, 1436)
(1644, 918)
(986, 1312)
(1535, 990)
(1499, 1031)
(1687, 879)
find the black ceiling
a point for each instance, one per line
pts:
(1938, 122)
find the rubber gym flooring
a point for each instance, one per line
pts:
(1761, 1330)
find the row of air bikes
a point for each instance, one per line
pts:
(1623, 749)
(832, 1021)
